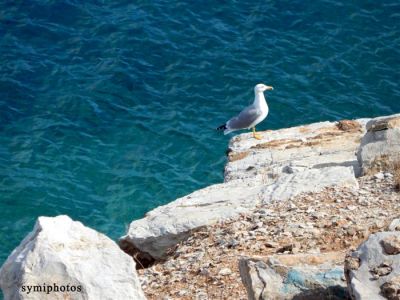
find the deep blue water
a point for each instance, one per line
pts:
(108, 108)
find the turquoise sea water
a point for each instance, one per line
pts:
(108, 108)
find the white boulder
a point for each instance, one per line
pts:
(380, 146)
(63, 259)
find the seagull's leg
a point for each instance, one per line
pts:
(255, 135)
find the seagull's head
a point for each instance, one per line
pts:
(259, 88)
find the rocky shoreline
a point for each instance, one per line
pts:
(335, 220)
(292, 206)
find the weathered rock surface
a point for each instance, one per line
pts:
(380, 146)
(373, 270)
(295, 149)
(298, 276)
(81, 262)
(165, 226)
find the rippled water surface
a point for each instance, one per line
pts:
(108, 110)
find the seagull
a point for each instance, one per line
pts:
(251, 115)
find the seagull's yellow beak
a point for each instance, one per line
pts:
(268, 88)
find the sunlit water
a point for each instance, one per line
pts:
(108, 110)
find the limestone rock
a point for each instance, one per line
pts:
(300, 276)
(60, 254)
(296, 149)
(312, 180)
(165, 226)
(380, 146)
(225, 272)
(378, 271)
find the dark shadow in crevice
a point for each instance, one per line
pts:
(336, 292)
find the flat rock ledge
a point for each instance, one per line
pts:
(296, 149)
(280, 166)
(63, 259)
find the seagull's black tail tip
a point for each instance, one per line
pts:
(222, 127)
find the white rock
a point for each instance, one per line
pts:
(167, 225)
(369, 267)
(284, 151)
(351, 207)
(380, 146)
(63, 253)
(182, 293)
(312, 180)
(294, 276)
(225, 272)
(379, 176)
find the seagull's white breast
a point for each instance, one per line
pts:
(262, 105)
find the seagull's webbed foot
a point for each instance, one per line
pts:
(256, 135)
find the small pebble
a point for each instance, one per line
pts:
(225, 272)
(379, 176)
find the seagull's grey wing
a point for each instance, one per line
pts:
(244, 119)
